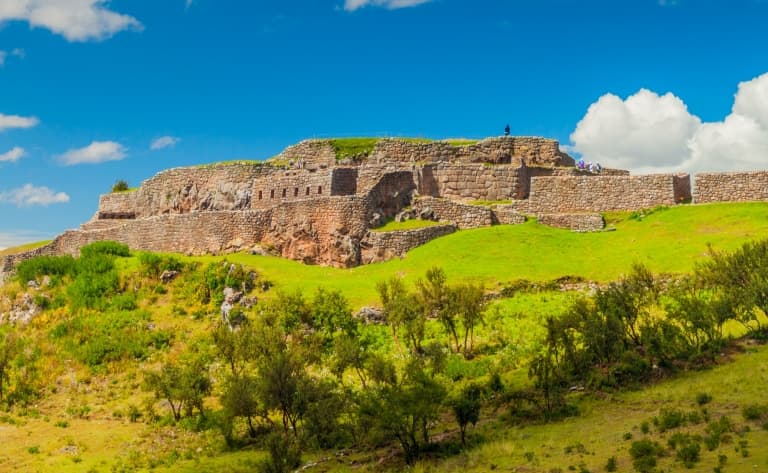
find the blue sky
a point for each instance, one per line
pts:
(87, 86)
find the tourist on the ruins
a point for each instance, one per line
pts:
(580, 164)
(507, 130)
(590, 167)
(599, 168)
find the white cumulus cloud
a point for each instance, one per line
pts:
(16, 121)
(13, 155)
(94, 153)
(647, 132)
(75, 20)
(352, 5)
(164, 142)
(29, 195)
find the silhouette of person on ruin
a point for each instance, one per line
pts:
(507, 130)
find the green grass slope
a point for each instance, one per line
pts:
(667, 241)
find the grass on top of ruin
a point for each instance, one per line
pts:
(412, 224)
(23, 248)
(671, 241)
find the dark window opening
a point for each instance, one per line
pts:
(285, 192)
(296, 192)
(272, 194)
(319, 189)
(307, 190)
(260, 196)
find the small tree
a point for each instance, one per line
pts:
(120, 186)
(183, 385)
(466, 409)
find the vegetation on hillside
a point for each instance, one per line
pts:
(206, 364)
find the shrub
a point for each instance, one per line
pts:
(645, 427)
(284, 455)
(644, 454)
(34, 450)
(669, 419)
(96, 339)
(689, 454)
(153, 265)
(112, 248)
(45, 266)
(754, 411)
(120, 186)
(611, 465)
(716, 432)
(703, 398)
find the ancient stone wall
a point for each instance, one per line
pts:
(118, 205)
(8, 262)
(218, 188)
(557, 195)
(381, 246)
(472, 181)
(575, 222)
(194, 233)
(344, 181)
(310, 154)
(502, 150)
(507, 215)
(391, 194)
(463, 215)
(731, 187)
(320, 231)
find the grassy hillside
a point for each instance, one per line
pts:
(95, 412)
(667, 241)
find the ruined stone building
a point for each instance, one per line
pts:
(312, 203)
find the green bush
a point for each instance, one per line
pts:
(755, 411)
(120, 186)
(97, 339)
(689, 454)
(611, 465)
(112, 248)
(669, 419)
(644, 454)
(34, 268)
(153, 265)
(703, 398)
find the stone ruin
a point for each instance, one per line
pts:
(312, 205)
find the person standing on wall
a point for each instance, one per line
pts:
(507, 130)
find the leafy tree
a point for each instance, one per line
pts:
(466, 408)
(404, 407)
(183, 385)
(403, 310)
(284, 455)
(283, 385)
(240, 399)
(467, 302)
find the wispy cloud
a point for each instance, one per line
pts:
(94, 153)
(352, 5)
(75, 20)
(15, 121)
(29, 195)
(164, 142)
(189, 3)
(13, 155)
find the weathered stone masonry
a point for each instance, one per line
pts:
(310, 206)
